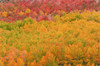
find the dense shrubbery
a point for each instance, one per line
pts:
(43, 9)
(50, 33)
(69, 40)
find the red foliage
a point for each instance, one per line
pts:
(51, 7)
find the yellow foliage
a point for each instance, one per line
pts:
(4, 14)
(27, 10)
(71, 39)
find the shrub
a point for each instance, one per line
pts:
(72, 39)
(43, 9)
